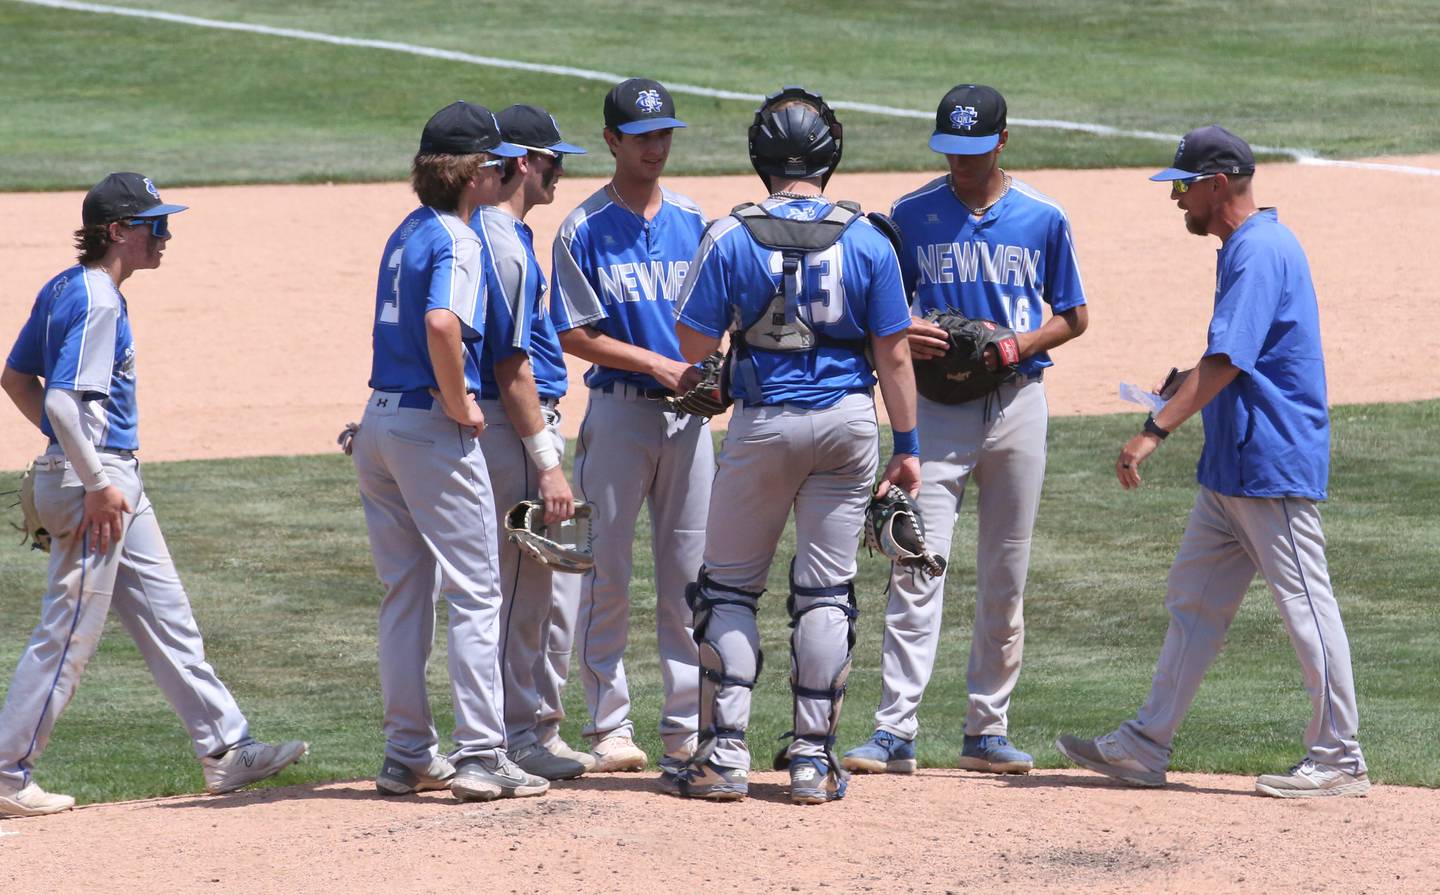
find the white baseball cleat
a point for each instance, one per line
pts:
(1308, 780)
(618, 753)
(32, 801)
(561, 749)
(1105, 755)
(250, 763)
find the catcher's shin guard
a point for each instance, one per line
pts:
(703, 596)
(802, 601)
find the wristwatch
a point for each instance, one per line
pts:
(1154, 428)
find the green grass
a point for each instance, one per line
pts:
(87, 93)
(274, 554)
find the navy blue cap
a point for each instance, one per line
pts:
(969, 120)
(639, 106)
(124, 195)
(1209, 150)
(463, 129)
(531, 127)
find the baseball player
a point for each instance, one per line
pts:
(72, 374)
(804, 287)
(620, 259)
(423, 480)
(1260, 389)
(522, 378)
(988, 245)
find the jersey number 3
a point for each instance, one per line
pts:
(824, 278)
(390, 307)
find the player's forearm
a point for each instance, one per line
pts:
(598, 348)
(1056, 331)
(64, 409)
(1209, 377)
(447, 356)
(25, 392)
(897, 379)
(518, 394)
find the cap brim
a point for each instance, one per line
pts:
(507, 150)
(950, 144)
(1173, 174)
(159, 211)
(566, 148)
(646, 125)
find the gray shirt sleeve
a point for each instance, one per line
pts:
(571, 290)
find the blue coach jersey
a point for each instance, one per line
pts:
(78, 338)
(432, 260)
(621, 274)
(1001, 267)
(849, 291)
(513, 285)
(1267, 434)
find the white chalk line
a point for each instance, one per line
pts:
(1301, 156)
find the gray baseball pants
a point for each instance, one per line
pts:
(821, 463)
(1228, 540)
(430, 513)
(632, 452)
(999, 443)
(136, 578)
(537, 601)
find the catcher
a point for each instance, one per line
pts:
(982, 255)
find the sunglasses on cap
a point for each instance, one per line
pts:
(159, 226)
(1183, 186)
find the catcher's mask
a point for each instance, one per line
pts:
(563, 547)
(800, 141)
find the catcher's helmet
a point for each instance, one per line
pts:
(799, 141)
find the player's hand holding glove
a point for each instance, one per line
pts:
(893, 526)
(705, 398)
(981, 355)
(561, 547)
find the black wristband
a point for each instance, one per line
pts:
(1154, 428)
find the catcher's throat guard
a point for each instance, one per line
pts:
(563, 547)
(895, 528)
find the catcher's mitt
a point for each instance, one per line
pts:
(35, 534)
(707, 398)
(893, 526)
(564, 547)
(962, 373)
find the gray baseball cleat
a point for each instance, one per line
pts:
(536, 759)
(482, 780)
(811, 782)
(249, 763)
(706, 781)
(1308, 780)
(396, 779)
(1105, 755)
(557, 746)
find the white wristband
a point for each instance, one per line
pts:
(541, 449)
(99, 483)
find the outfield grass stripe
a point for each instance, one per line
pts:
(1304, 156)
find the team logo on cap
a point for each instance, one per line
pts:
(1180, 151)
(963, 117)
(648, 101)
(150, 188)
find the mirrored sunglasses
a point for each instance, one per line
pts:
(159, 227)
(1183, 186)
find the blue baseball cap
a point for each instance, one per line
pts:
(1209, 150)
(464, 129)
(969, 120)
(122, 195)
(639, 106)
(531, 127)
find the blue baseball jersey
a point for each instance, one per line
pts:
(849, 291)
(433, 260)
(78, 338)
(1267, 434)
(1005, 266)
(622, 274)
(512, 287)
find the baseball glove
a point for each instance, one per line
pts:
(893, 526)
(347, 438)
(565, 547)
(707, 398)
(963, 372)
(34, 533)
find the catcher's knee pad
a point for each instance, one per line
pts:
(703, 597)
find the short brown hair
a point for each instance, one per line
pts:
(92, 243)
(439, 179)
